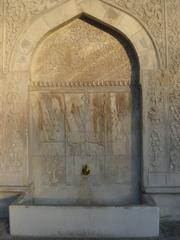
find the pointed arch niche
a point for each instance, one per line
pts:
(121, 54)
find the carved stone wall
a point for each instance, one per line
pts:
(161, 88)
(80, 115)
(81, 55)
(152, 15)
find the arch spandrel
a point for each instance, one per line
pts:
(81, 54)
(136, 34)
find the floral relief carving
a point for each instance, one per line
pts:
(1, 33)
(173, 29)
(17, 15)
(2, 80)
(14, 120)
(20, 13)
(155, 145)
(155, 99)
(80, 54)
(151, 14)
(174, 118)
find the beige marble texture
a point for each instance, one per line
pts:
(150, 28)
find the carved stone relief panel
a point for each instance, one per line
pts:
(161, 18)
(71, 130)
(48, 136)
(174, 117)
(81, 55)
(14, 127)
(173, 27)
(2, 82)
(151, 13)
(51, 120)
(1, 33)
(81, 117)
(97, 134)
(173, 30)
(155, 118)
(19, 14)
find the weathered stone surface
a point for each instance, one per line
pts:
(153, 29)
(81, 114)
(83, 221)
(80, 54)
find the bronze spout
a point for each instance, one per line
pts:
(85, 170)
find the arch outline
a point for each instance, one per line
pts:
(121, 22)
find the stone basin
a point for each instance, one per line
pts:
(45, 218)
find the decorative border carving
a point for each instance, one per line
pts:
(17, 15)
(44, 84)
(173, 28)
(1, 33)
(152, 15)
(155, 110)
(14, 124)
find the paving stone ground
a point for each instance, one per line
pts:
(168, 231)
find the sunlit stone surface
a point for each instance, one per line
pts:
(89, 103)
(81, 54)
(81, 114)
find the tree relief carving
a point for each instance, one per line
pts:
(92, 128)
(54, 169)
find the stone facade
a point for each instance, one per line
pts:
(153, 29)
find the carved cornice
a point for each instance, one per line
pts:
(80, 84)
